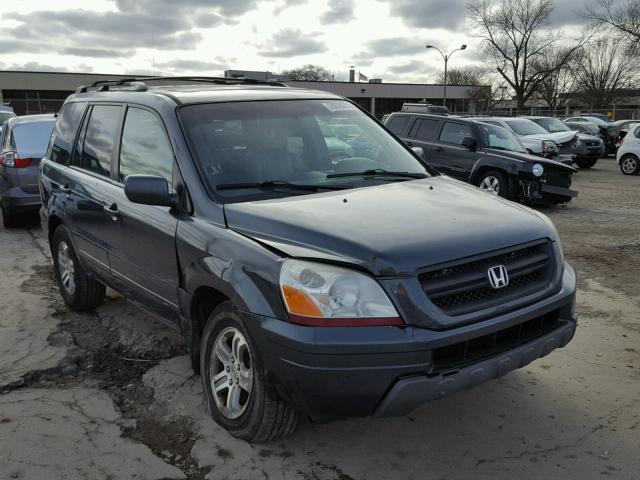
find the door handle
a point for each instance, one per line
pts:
(65, 189)
(113, 211)
(410, 144)
(438, 149)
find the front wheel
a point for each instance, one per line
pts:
(239, 396)
(9, 220)
(495, 183)
(629, 164)
(79, 290)
(586, 162)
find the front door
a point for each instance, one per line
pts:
(449, 154)
(142, 249)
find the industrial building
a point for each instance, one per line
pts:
(43, 92)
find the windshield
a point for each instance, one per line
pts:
(553, 125)
(499, 138)
(32, 139)
(522, 126)
(300, 142)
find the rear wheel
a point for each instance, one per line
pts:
(239, 396)
(80, 291)
(495, 182)
(9, 220)
(629, 164)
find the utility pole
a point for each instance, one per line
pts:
(446, 62)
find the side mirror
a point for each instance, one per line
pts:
(149, 190)
(419, 152)
(470, 143)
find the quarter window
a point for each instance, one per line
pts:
(398, 124)
(100, 138)
(64, 132)
(454, 133)
(145, 148)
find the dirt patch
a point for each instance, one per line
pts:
(97, 358)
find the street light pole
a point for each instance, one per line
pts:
(446, 63)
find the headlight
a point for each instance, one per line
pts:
(537, 170)
(325, 295)
(549, 146)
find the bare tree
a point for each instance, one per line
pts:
(603, 72)
(470, 75)
(314, 73)
(556, 87)
(516, 37)
(621, 16)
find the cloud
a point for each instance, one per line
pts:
(289, 43)
(207, 20)
(226, 8)
(447, 14)
(389, 47)
(33, 67)
(96, 52)
(413, 66)
(286, 5)
(340, 11)
(192, 66)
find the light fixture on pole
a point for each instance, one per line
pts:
(446, 61)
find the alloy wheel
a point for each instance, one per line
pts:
(629, 165)
(231, 372)
(66, 268)
(490, 185)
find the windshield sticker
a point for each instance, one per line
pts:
(338, 106)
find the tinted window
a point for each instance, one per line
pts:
(145, 149)
(65, 132)
(31, 139)
(427, 130)
(398, 124)
(637, 132)
(99, 140)
(454, 133)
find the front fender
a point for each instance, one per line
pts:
(488, 160)
(246, 272)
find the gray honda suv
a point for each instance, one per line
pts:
(301, 281)
(23, 143)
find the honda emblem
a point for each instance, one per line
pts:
(498, 277)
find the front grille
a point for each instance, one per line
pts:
(463, 286)
(592, 143)
(477, 349)
(557, 177)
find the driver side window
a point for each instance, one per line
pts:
(454, 133)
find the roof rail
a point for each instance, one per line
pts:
(138, 83)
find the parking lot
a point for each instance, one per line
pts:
(110, 393)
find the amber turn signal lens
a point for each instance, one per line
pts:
(300, 303)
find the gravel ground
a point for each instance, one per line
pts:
(109, 394)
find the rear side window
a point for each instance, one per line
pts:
(145, 148)
(454, 133)
(637, 132)
(31, 139)
(427, 130)
(399, 124)
(100, 139)
(64, 132)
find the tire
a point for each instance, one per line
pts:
(259, 416)
(629, 164)
(9, 220)
(586, 162)
(79, 291)
(496, 183)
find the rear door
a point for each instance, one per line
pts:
(141, 240)
(84, 186)
(449, 155)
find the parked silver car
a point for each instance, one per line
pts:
(585, 150)
(24, 142)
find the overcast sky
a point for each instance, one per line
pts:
(382, 38)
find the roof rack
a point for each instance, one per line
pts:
(138, 83)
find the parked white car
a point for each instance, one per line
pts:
(535, 138)
(628, 155)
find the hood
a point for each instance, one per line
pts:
(585, 136)
(525, 157)
(558, 137)
(392, 229)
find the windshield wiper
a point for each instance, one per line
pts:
(377, 172)
(273, 184)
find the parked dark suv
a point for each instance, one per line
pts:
(301, 282)
(485, 155)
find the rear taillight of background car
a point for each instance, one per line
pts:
(11, 159)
